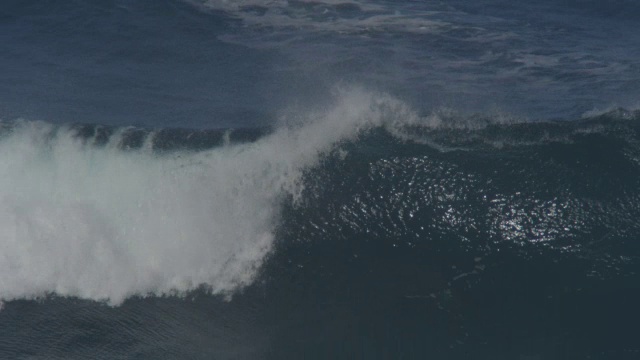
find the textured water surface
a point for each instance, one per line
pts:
(329, 179)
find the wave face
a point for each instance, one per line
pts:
(492, 238)
(559, 191)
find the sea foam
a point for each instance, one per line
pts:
(104, 223)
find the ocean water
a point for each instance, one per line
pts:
(271, 179)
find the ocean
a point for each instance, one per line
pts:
(357, 179)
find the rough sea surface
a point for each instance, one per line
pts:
(271, 179)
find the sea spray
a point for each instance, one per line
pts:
(91, 220)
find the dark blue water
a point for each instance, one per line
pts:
(295, 179)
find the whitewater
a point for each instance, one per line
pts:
(103, 222)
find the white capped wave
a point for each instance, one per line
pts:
(102, 223)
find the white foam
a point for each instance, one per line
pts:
(101, 223)
(322, 16)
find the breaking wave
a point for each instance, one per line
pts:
(109, 213)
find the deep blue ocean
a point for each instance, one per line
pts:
(357, 179)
